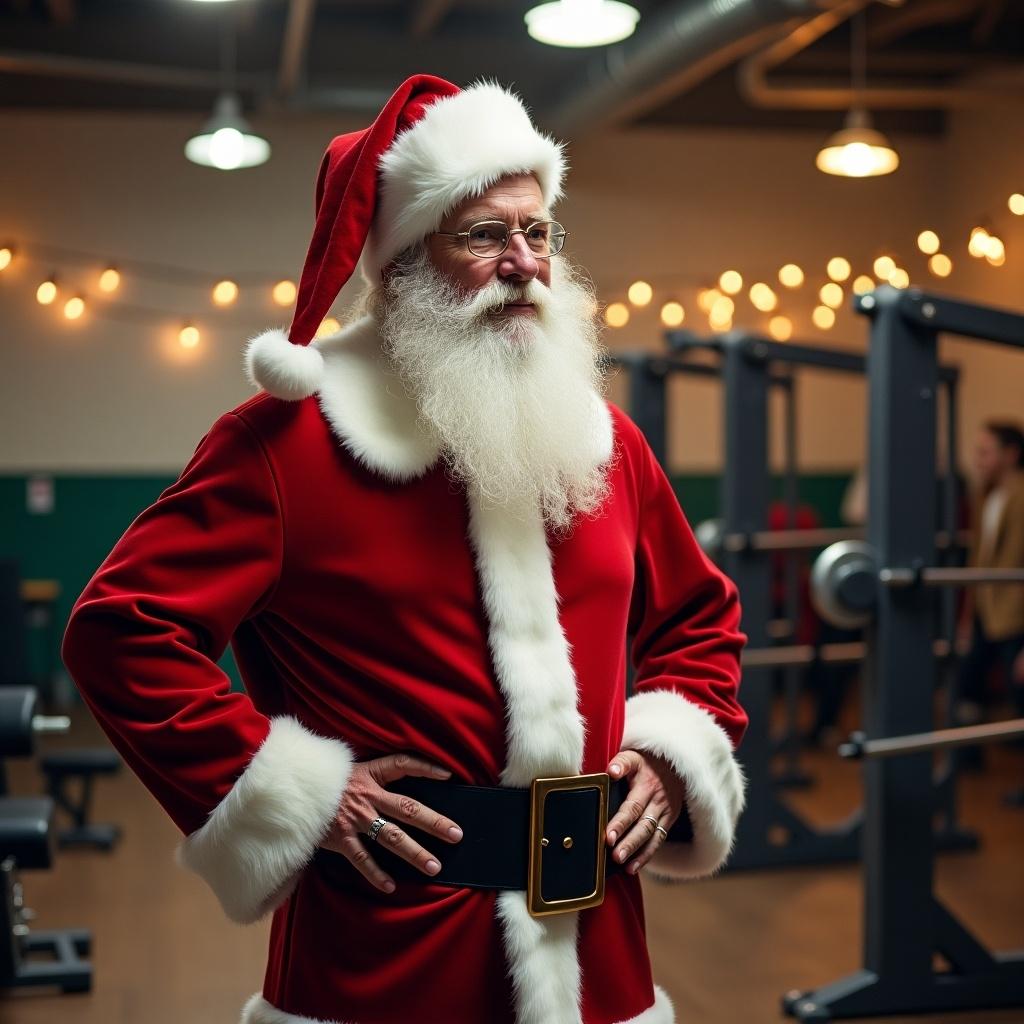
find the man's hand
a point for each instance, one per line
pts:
(365, 798)
(655, 790)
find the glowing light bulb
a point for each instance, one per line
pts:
(1016, 204)
(617, 315)
(823, 317)
(723, 307)
(227, 148)
(225, 292)
(899, 278)
(721, 313)
(329, 325)
(672, 314)
(284, 293)
(883, 267)
(978, 245)
(762, 297)
(839, 269)
(928, 242)
(46, 292)
(791, 276)
(581, 22)
(640, 293)
(6, 255)
(731, 282)
(110, 279)
(940, 265)
(707, 297)
(831, 294)
(74, 308)
(780, 328)
(188, 337)
(863, 284)
(996, 251)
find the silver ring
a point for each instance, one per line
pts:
(652, 817)
(660, 829)
(376, 825)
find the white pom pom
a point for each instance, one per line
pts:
(282, 369)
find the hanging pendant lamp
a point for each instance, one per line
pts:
(579, 23)
(858, 150)
(227, 141)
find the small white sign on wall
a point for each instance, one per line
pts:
(39, 495)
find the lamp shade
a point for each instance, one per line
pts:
(581, 22)
(226, 141)
(858, 150)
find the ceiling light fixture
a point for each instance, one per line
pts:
(581, 22)
(858, 150)
(227, 141)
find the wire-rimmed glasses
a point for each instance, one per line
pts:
(489, 238)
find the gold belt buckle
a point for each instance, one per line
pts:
(539, 790)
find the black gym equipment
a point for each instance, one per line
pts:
(62, 769)
(26, 842)
(905, 924)
(859, 746)
(770, 833)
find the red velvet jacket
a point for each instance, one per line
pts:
(372, 607)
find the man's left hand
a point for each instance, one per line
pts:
(655, 790)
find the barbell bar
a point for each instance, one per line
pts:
(859, 746)
(948, 577)
(845, 653)
(845, 578)
(713, 539)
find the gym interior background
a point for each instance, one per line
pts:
(692, 146)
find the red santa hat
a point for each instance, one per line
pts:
(385, 188)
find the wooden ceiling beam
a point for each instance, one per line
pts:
(295, 46)
(62, 12)
(427, 15)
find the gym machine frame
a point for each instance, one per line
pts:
(770, 833)
(648, 406)
(905, 923)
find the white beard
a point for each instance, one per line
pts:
(514, 400)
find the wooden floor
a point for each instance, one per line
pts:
(725, 949)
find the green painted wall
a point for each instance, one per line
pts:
(91, 512)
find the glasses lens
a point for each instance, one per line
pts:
(488, 238)
(545, 237)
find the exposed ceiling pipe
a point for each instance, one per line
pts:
(752, 77)
(671, 53)
(55, 66)
(902, 21)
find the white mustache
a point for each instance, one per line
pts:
(494, 297)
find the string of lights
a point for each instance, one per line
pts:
(717, 300)
(107, 276)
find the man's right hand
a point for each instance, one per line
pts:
(365, 799)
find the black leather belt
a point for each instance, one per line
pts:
(548, 839)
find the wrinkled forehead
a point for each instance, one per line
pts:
(512, 197)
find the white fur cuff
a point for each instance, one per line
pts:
(665, 723)
(262, 834)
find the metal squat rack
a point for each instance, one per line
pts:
(905, 924)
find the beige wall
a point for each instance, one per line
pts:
(674, 208)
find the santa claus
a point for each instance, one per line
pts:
(427, 540)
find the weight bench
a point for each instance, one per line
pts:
(26, 841)
(60, 768)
